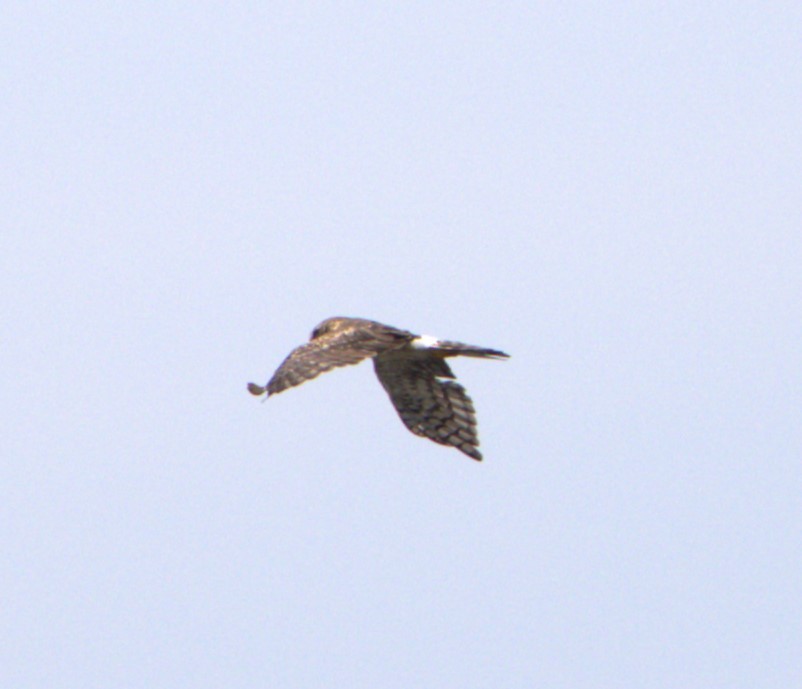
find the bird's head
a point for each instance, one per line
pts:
(327, 326)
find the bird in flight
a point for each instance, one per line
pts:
(411, 368)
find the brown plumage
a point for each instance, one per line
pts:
(412, 369)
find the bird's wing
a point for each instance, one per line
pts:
(428, 405)
(327, 352)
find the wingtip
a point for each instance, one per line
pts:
(471, 452)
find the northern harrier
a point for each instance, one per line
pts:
(412, 368)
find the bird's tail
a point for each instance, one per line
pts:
(460, 349)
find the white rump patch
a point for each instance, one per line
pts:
(425, 342)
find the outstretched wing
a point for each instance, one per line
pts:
(428, 405)
(331, 350)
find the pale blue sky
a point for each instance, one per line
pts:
(610, 192)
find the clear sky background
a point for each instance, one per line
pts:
(610, 192)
